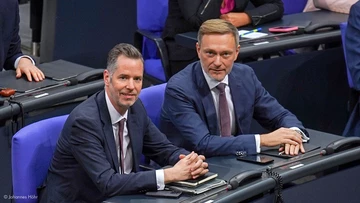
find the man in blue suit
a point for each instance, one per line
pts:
(191, 115)
(104, 138)
(11, 56)
(352, 51)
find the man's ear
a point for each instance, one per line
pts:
(237, 51)
(198, 48)
(106, 77)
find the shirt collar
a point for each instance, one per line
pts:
(115, 116)
(212, 82)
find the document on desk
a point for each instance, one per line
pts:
(22, 85)
(251, 35)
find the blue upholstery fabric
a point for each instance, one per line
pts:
(343, 31)
(32, 150)
(156, 69)
(294, 6)
(153, 98)
(151, 16)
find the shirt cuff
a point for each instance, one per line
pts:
(257, 143)
(23, 56)
(160, 182)
(303, 136)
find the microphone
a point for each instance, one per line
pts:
(327, 151)
(243, 178)
(70, 82)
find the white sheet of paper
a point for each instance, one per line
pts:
(252, 35)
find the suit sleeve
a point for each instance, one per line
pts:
(198, 11)
(182, 112)
(158, 148)
(269, 113)
(14, 50)
(352, 44)
(265, 11)
(88, 149)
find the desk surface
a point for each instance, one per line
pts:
(228, 166)
(286, 42)
(53, 96)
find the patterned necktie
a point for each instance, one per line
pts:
(121, 132)
(224, 111)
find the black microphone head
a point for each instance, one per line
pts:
(233, 184)
(327, 151)
(72, 81)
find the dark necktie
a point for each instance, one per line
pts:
(224, 111)
(121, 132)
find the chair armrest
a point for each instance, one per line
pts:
(160, 44)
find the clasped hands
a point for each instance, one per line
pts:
(289, 140)
(189, 166)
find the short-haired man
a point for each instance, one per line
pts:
(99, 150)
(210, 104)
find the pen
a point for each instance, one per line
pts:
(206, 5)
(251, 31)
(281, 153)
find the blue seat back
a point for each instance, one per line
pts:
(32, 150)
(151, 16)
(294, 6)
(153, 97)
(343, 31)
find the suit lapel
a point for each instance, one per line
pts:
(134, 132)
(108, 131)
(207, 101)
(237, 97)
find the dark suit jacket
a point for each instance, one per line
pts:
(352, 45)
(189, 117)
(352, 48)
(85, 164)
(185, 16)
(10, 44)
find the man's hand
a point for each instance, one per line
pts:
(26, 67)
(290, 139)
(292, 149)
(188, 167)
(237, 19)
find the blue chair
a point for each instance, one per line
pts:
(153, 98)
(294, 6)
(151, 16)
(32, 150)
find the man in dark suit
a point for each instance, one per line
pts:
(11, 56)
(191, 116)
(352, 52)
(99, 150)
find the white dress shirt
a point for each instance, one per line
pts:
(115, 117)
(20, 57)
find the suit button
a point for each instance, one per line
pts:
(240, 153)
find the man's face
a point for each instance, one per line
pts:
(217, 54)
(124, 85)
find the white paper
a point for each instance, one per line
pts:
(252, 35)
